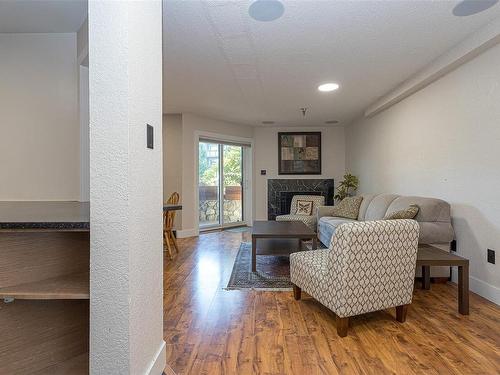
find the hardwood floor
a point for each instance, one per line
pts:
(212, 331)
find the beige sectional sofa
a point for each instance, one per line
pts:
(433, 218)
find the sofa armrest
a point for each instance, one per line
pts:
(324, 211)
(435, 232)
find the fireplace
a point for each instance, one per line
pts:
(281, 191)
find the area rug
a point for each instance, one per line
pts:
(273, 272)
(238, 229)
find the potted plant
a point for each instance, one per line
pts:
(347, 187)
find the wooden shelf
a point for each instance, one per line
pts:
(74, 286)
(75, 366)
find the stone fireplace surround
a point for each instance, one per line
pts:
(279, 189)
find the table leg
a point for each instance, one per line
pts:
(426, 277)
(254, 254)
(315, 243)
(463, 289)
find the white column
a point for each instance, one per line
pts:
(125, 83)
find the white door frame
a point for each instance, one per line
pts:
(83, 95)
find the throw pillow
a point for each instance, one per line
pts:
(348, 208)
(304, 207)
(408, 213)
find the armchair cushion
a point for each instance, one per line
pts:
(310, 221)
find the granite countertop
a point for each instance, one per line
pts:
(45, 215)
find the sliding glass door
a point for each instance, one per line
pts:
(232, 177)
(209, 184)
(220, 176)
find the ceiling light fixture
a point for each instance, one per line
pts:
(327, 87)
(266, 10)
(469, 7)
(332, 122)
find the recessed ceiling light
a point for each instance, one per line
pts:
(268, 122)
(332, 122)
(470, 7)
(266, 10)
(327, 87)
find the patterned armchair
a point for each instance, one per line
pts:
(309, 220)
(369, 266)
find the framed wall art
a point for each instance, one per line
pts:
(299, 152)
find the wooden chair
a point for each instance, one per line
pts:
(168, 225)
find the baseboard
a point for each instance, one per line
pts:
(159, 361)
(184, 233)
(485, 290)
(488, 291)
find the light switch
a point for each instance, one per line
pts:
(150, 138)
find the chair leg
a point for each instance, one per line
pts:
(174, 241)
(167, 242)
(401, 312)
(296, 292)
(342, 326)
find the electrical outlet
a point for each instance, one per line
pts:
(491, 256)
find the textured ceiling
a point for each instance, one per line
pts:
(40, 16)
(221, 63)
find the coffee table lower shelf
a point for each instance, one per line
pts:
(276, 247)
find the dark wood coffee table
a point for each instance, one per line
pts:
(428, 256)
(279, 238)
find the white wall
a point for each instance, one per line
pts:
(266, 157)
(190, 124)
(39, 145)
(444, 142)
(172, 160)
(126, 312)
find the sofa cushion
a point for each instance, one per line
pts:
(407, 213)
(433, 217)
(378, 206)
(367, 198)
(327, 226)
(348, 208)
(430, 209)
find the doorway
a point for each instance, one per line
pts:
(220, 184)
